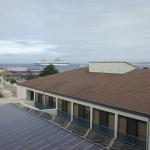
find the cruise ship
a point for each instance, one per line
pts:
(56, 62)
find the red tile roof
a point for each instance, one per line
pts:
(129, 91)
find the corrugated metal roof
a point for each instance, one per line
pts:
(21, 130)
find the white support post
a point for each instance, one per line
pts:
(116, 126)
(71, 111)
(148, 135)
(56, 103)
(91, 117)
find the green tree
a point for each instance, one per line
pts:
(12, 81)
(50, 69)
(30, 76)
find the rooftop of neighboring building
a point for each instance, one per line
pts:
(23, 130)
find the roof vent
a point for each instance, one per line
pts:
(111, 67)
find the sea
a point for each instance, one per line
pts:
(33, 67)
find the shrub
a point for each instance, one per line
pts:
(48, 70)
(12, 81)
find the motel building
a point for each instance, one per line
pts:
(106, 102)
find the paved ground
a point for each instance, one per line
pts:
(8, 97)
(20, 130)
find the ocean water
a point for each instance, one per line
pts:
(142, 64)
(25, 67)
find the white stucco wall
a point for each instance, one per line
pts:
(21, 92)
(148, 145)
(110, 67)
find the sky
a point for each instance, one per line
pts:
(77, 31)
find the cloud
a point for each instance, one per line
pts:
(81, 30)
(24, 47)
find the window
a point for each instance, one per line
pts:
(96, 116)
(132, 126)
(69, 107)
(87, 113)
(75, 110)
(60, 104)
(142, 129)
(40, 98)
(32, 95)
(64, 106)
(122, 124)
(103, 118)
(111, 120)
(51, 102)
(84, 112)
(81, 111)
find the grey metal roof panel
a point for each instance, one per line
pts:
(22, 130)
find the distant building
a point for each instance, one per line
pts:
(112, 98)
(6, 76)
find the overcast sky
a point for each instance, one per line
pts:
(74, 30)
